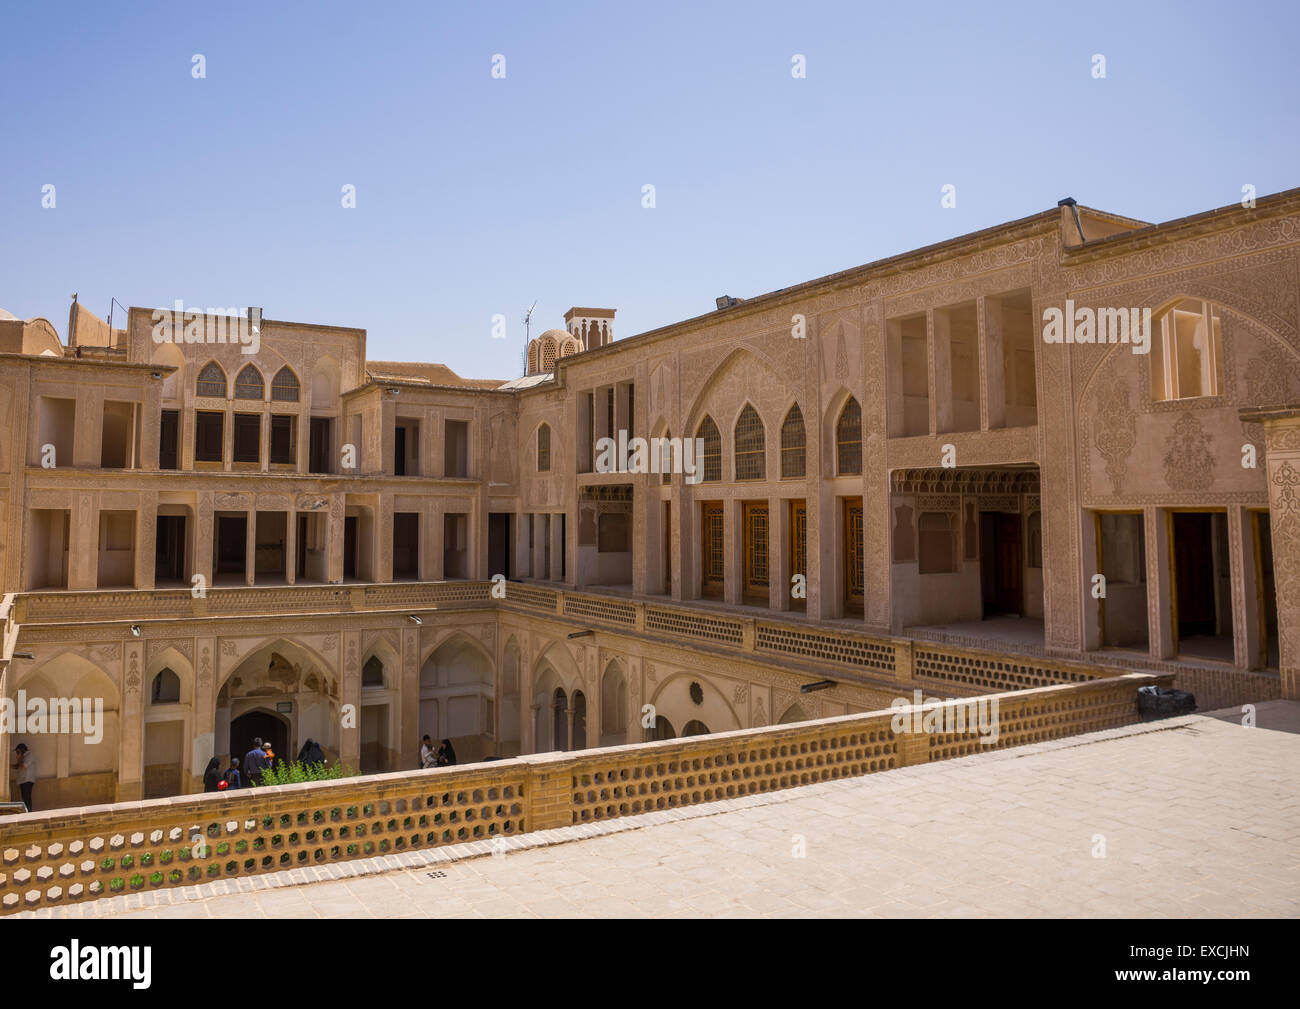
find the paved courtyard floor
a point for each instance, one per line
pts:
(1189, 817)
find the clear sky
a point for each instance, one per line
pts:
(477, 196)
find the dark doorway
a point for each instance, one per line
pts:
(1001, 563)
(406, 545)
(261, 725)
(169, 440)
(1193, 563)
(350, 546)
(1202, 583)
(232, 544)
(300, 548)
(399, 451)
(500, 553)
(1268, 591)
(169, 550)
(318, 455)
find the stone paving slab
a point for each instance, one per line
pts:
(1189, 817)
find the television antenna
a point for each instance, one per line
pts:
(528, 324)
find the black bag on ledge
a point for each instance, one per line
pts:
(1162, 702)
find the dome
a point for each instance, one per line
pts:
(558, 335)
(7, 316)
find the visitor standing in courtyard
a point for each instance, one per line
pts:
(212, 775)
(232, 776)
(446, 754)
(26, 764)
(254, 762)
(311, 753)
(428, 755)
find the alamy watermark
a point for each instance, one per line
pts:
(651, 455)
(214, 325)
(979, 715)
(36, 716)
(1104, 325)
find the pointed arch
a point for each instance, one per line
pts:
(543, 448)
(711, 457)
(750, 445)
(211, 381)
(848, 439)
(249, 383)
(613, 705)
(794, 443)
(285, 387)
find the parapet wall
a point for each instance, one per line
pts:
(51, 859)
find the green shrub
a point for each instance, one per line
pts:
(293, 773)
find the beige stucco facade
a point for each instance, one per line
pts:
(892, 451)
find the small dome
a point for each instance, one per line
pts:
(555, 334)
(6, 316)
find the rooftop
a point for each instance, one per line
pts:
(1197, 815)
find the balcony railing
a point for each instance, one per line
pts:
(949, 669)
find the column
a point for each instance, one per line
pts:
(130, 764)
(939, 338)
(290, 543)
(250, 546)
(733, 550)
(993, 395)
(778, 553)
(1282, 454)
(1160, 613)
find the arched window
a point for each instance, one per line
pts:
(695, 728)
(248, 384)
(372, 673)
(751, 446)
(166, 688)
(532, 357)
(712, 455)
(1186, 351)
(793, 441)
(284, 387)
(212, 381)
(548, 354)
(848, 439)
(543, 448)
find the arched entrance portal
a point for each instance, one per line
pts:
(263, 725)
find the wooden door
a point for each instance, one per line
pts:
(798, 551)
(712, 569)
(755, 518)
(853, 574)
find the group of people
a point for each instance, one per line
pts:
(440, 756)
(257, 760)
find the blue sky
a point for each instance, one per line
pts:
(477, 196)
